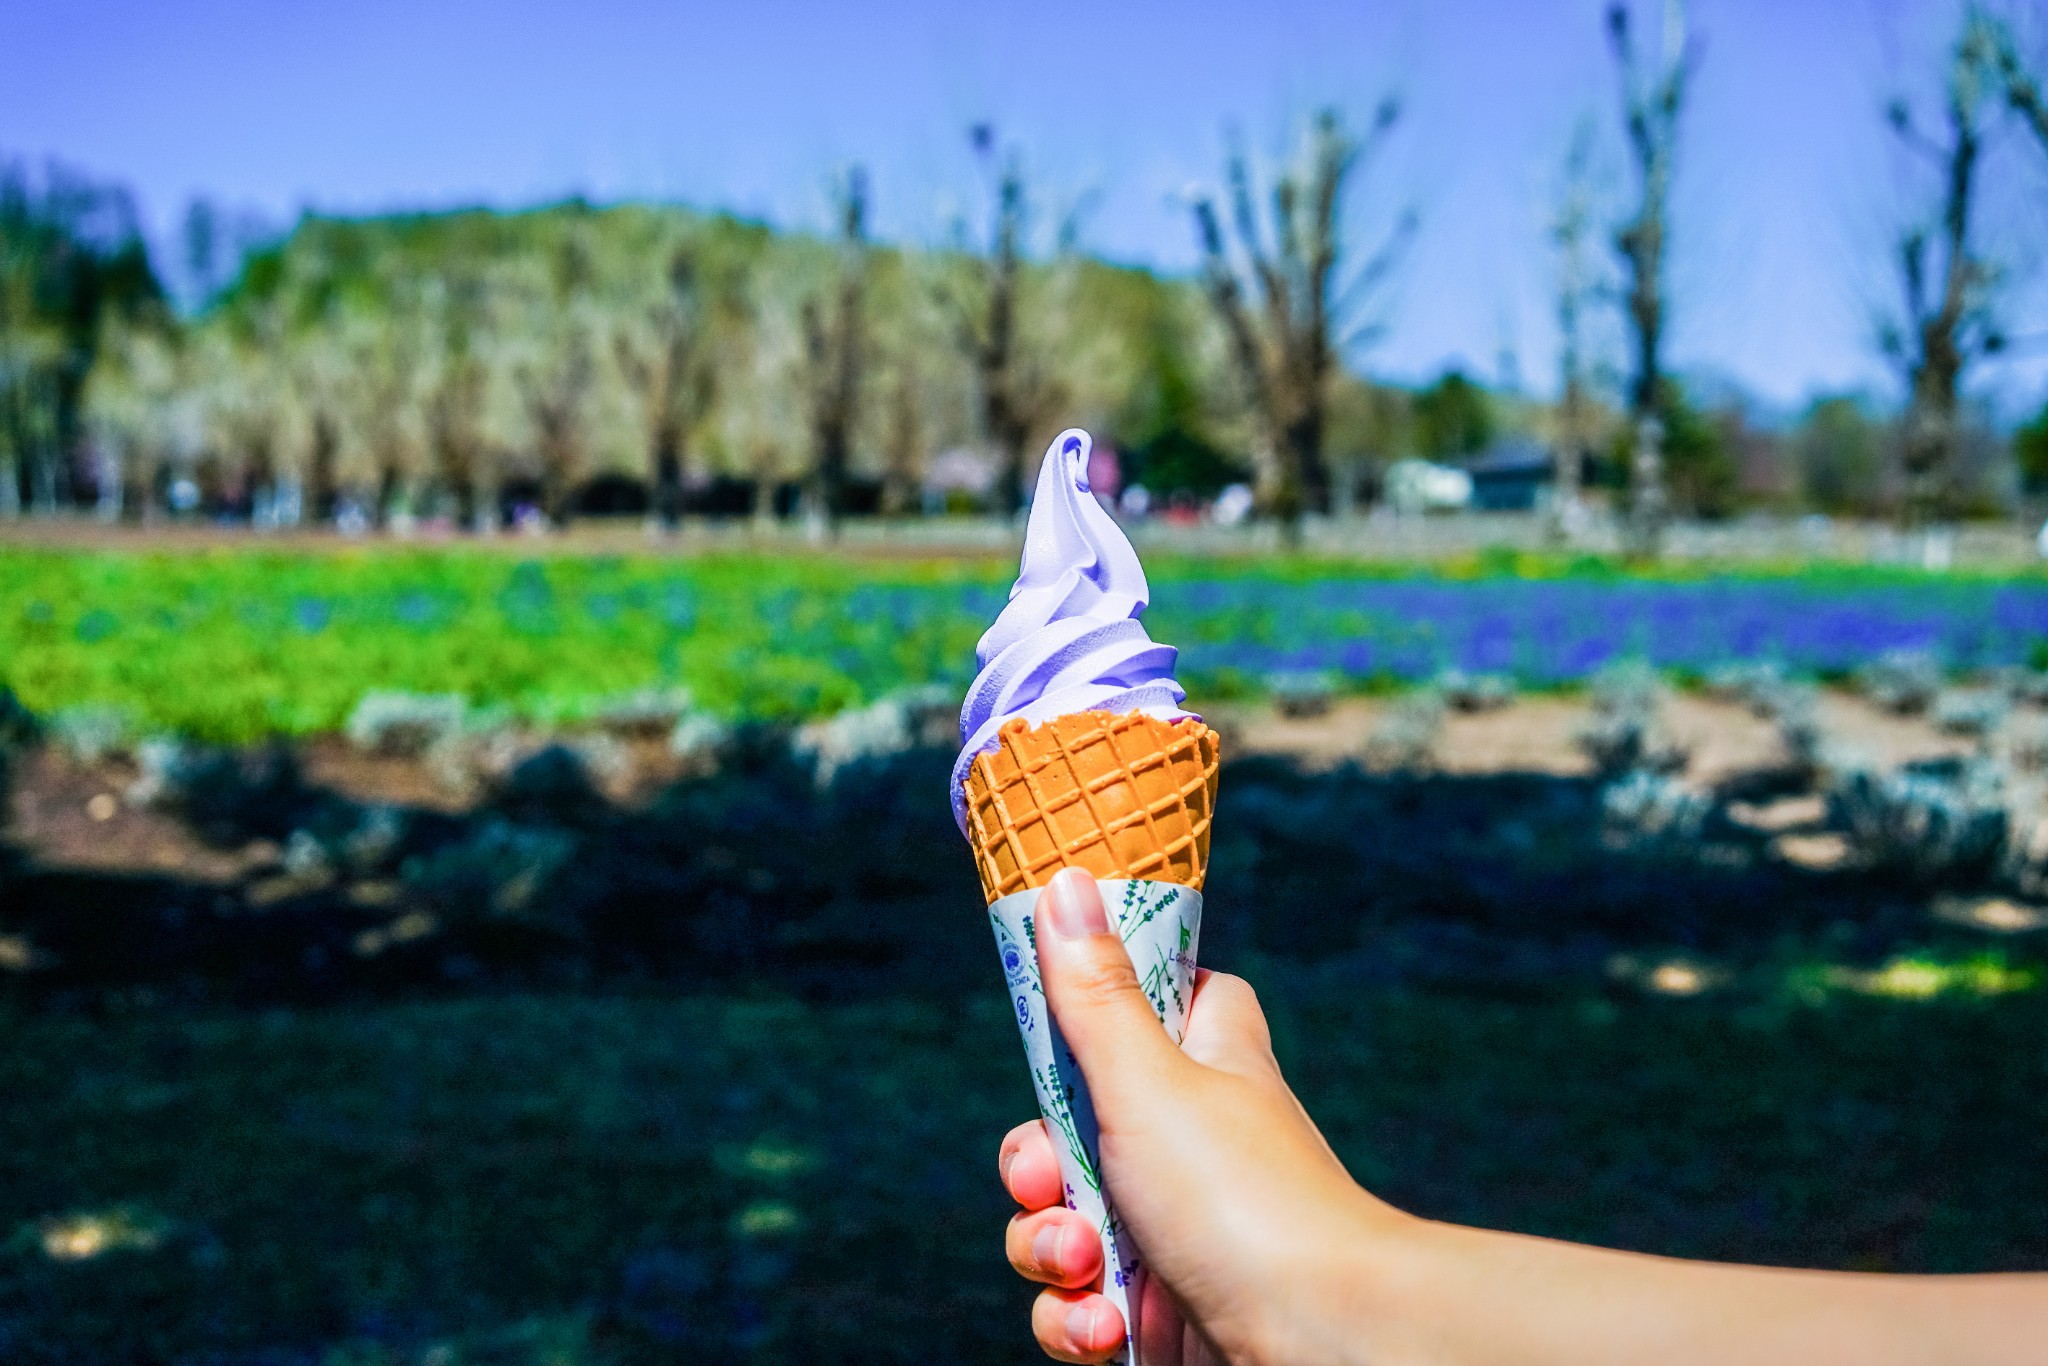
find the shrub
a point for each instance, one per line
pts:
(1750, 683)
(647, 712)
(1302, 694)
(92, 731)
(165, 765)
(1795, 709)
(404, 724)
(700, 740)
(881, 728)
(1642, 806)
(1970, 711)
(1623, 733)
(1937, 819)
(1902, 681)
(1406, 736)
(1463, 691)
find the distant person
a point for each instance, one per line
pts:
(1262, 1248)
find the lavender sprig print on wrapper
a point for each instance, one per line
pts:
(1160, 924)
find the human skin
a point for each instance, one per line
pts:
(1262, 1249)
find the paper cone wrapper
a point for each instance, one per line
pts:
(1161, 923)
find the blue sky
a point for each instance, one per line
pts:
(1789, 186)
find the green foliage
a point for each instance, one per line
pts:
(1178, 460)
(1841, 460)
(2030, 450)
(1168, 447)
(1453, 417)
(72, 258)
(1700, 473)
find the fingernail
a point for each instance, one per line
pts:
(1076, 911)
(1045, 1247)
(1081, 1325)
(1003, 1167)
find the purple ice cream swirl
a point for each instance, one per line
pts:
(1069, 640)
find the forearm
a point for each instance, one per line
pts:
(1448, 1296)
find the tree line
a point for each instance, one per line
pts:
(454, 365)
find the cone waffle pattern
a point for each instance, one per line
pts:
(1120, 795)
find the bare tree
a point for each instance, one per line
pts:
(555, 404)
(1015, 396)
(835, 356)
(2022, 86)
(1577, 283)
(1289, 327)
(1652, 97)
(378, 370)
(665, 361)
(1946, 286)
(463, 466)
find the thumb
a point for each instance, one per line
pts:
(1092, 989)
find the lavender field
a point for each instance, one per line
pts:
(235, 645)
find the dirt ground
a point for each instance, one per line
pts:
(90, 817)
(1536, 735)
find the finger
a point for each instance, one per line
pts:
(1164, 1337)
(1055, 1247)
(1226, 1028)
(1031, 1170)
(1076, 1325)
(1105, 1019)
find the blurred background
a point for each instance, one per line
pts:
(496, 510)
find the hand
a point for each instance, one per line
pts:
(1262, 1250)
(1251, 1228)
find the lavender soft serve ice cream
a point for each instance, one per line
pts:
(1070, 639)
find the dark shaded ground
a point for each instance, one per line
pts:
(723, 1075)
(758, 877)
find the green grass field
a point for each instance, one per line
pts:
(537, 1179)
(236, 645)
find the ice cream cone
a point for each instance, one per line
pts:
(1075, 753)
(1118, 795)
(1128, 798)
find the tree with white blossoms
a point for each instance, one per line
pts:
(136, 407)
(380, 360)
(662, 344)
(558, 368)
(247, 398)
(417, 364)
(457, 338)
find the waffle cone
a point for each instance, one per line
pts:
(1122, 795)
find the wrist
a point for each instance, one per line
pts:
(1360, 1289)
